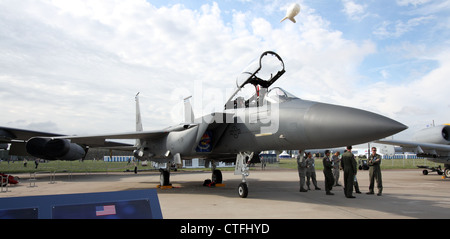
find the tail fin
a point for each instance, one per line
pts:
(139, 127)
(188, 113)
(138, 114)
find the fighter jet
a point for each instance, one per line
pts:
(432, 143)
(255, 118)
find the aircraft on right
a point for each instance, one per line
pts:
(432, 143)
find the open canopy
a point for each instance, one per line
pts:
(253, 83)
(263, 71)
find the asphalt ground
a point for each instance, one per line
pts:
(273, 194)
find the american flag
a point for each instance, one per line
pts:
(105, 210)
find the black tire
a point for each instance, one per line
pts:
(165, 178)
(217, 176)
(425, 172)
(243, 190)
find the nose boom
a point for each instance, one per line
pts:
(329, 125)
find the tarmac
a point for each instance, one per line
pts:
(273, 194)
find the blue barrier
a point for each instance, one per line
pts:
(133, 204)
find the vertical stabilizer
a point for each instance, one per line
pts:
(138, 120)
(188, 113)
(138, 115)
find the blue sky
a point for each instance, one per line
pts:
(390, 24)
(74, 66)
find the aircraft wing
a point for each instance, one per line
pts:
(18, 138)
(419, 148)
(9, 134)
(98, 140)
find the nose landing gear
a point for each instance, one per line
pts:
(243, 160)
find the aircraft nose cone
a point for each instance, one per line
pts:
(332, 126)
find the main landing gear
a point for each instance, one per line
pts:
(164, 178)
(243, 160)
(216, 177)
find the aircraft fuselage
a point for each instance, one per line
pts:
(293, 124)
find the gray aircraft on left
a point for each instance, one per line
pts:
(265, 119)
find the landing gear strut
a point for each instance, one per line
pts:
(243, 160)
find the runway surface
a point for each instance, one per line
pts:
(273, 194)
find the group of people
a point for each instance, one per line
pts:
(331, 170)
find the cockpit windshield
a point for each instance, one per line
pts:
(278, 95)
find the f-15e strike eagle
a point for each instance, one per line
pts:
(266, 119)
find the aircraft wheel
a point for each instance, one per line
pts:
(425, 172)
(164, 178)
(243, 190)
(447, 172)
(217, 176)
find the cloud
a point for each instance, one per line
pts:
(416, 102)
(388, 29)
(411, 2)
(80, 63)
(354, 10)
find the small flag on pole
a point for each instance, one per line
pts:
(105, 210)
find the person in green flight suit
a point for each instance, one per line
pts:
(348, 163)
(311, 171)
(375, 172)
(327, 171)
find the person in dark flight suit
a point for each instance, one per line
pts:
(327, 171)
(348, 163)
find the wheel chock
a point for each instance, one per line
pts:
(165, 187)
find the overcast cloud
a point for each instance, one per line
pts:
(74, 67)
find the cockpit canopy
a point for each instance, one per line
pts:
(252, 85)
(263, 71)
